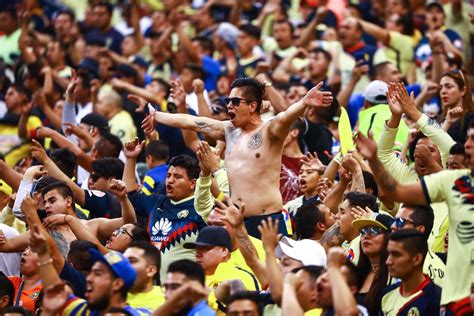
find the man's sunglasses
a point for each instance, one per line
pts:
(400, 222)
(371, 231)
(236, 101)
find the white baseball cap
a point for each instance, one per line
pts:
(308, 251)
(376, 92)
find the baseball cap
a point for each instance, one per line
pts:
(96, 120)
(218, 105)
(382, 221)
(117, 262)
(125, 70)
(5, 188)
(434, 4)
(140, 61)
(376, 92)
(211, 236)
(308, 251)
(228, 32)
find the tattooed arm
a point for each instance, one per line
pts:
(411, 193)
(408, 193)
(211, 128)
(332, 237)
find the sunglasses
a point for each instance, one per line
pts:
(400, 222)
(236, 101)
(371, 231)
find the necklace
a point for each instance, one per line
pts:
(375, 267)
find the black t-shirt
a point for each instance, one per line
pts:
(318, 138)
(102, 204)
(458, 130)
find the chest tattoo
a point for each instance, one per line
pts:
(256, 141)
(232, 137)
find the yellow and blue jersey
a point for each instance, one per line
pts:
(79, 307)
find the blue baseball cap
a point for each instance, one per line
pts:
(119, 265)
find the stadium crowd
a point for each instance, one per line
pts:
(224, 157)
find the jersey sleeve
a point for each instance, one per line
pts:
(75, 306)
(433, 187)
(148, 185)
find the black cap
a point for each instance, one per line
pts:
(211, 236)
(96, 120)
(218, 105)
(435, 4)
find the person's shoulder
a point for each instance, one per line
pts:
(391, 288)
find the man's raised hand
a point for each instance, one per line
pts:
(139, 101)
(208, 160)
(230, 213)
(366, 146)
(317, 98)
(118, 188)
(133, 148)
(38, 152)
(269, 232)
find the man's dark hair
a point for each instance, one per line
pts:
(251, 30)
(65, 160)
(21, 89)
(327, 114)
(307, 217)
(139, 233)
(6, 288)
(422, 215)
(18, 310)
(152, 256)
(198, 71)
(190, 269)
(108, 167)
(109, 145)
(10, 10)
(252, 90)
(62, 189)
(188, 163)
(370, 183)
(319, 50)
(412, 146)
(69, 13)
(78, 255)
(158, 149)
(313, 272)
(44, 182)
(247, 296)
(363, 200)
(457, 149)
(412, 240)
(165, 85)
(109, 7)
(286, 21)
(206, 43)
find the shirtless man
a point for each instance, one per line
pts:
(254, 148)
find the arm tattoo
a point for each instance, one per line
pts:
(383, 177)
(206, 127)
(332, 237)
(256, 141)
(358, 183)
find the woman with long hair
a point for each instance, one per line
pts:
(456, 100)
(373, 271)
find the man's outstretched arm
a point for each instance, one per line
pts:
(211, 128)
(408, 193)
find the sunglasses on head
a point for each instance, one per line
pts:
(371, 231)
(236, 101)
(400, 222)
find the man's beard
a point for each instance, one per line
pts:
(101, 304)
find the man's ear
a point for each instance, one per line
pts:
(4, 301)
(418, 259)
(151, 270)
(253, 107)
(69, 201)
(117, 284)
(193, 184)
(321, 227)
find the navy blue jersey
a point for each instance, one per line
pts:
(424, 301)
